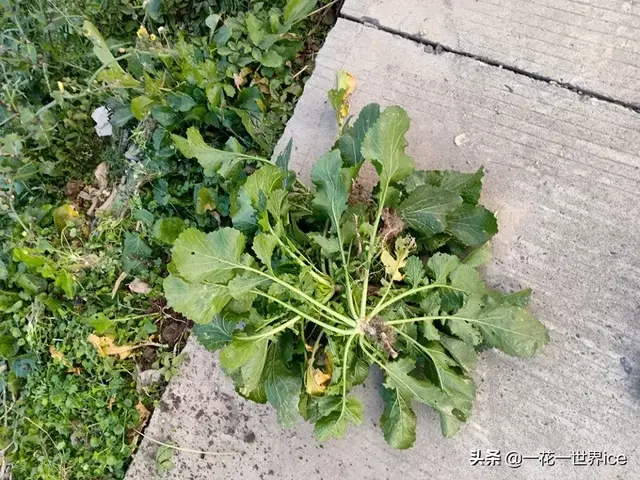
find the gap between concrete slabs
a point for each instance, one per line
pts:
(562, 171)
(592, 47)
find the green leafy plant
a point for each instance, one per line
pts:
(323, 285)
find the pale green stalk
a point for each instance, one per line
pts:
(331, 328)
(273, 331)
(347, 277)
(297, 291)
(372, 249)
(315, 273)
(408, 293)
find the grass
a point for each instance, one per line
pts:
(68, 409)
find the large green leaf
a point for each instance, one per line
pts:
(241, 285)
(468, 279)
(282, 387)
(398, 420)
(112, 70)
(512, 329)
(272, 59)
(213, 161)
(460, 325)
(141, 106)
(196, 301)
(208, 257)
(247, 357)
(479, 257)
(267, 179)
(296, 10)
(216, 334)
(168, 229)
(467, 185)
(282, 161)
(180, 102)
(426, 208)
(350, 142)
(329, 246)
(452, 382)
(413, 271)
(263, 246)
(441, 266)
(384, 145)
(397, 377)
(135, 254)
(335, 424)
(331, 195)
(165, 116)
(255, 29)
(243, 215)
(472, 226)
(430, 307)
(464, 354)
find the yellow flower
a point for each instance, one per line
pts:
(152, 37)
(142, 32)
(61, 87)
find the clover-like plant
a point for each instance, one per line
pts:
(322, 285)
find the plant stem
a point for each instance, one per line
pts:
(417, 344)
(364, 345)
(315, 273)
(107, 65)
(298, 292)
(345, 363)
(182, 449)
(273, 331)
(17, 218)
(408, 293)
(317, 10)
(371, 246)
(331, 328)
(450, 317)
(347, 277)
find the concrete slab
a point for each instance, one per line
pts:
(591, 44)
(563, 172)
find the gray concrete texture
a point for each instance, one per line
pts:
(591, 44)
(563, 173)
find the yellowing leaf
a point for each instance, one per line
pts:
(392, 265)
(59, 356)
(143, 411)
(339, 97)
(107, 347)
(63, 214)
(56, 354)
(317, 381)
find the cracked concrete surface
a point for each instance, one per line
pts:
(563, 174)
(592, 45)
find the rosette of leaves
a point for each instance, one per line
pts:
(326, 284)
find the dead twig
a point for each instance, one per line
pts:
(182, 449)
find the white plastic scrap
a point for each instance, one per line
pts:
(101, 116)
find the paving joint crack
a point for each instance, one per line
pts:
(374, 23)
